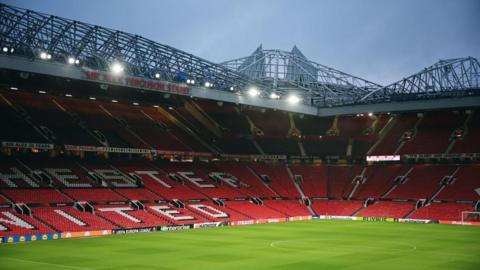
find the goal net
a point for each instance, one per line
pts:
(468, 216)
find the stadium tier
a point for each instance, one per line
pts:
(74, 164)
(41, 118)
(79, 195)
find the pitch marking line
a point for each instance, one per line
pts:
(51, 264)
(274, 244)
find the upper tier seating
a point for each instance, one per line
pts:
(390, 143)
(227, 117)
(263, 120)
(96, 117)
(433, 133)
(14, 128)
(45, 112)
(469, 144)
(145, 127)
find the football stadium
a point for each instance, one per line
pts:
(121, 152)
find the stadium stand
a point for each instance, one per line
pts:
(12, 223)
(441, 211)
(68, 219)
(336, 207)
(387, 209)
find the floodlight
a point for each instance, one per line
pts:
(293, 99)
(253, 92)
(274, 95)
(117, 68)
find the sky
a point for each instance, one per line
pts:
(379, 40)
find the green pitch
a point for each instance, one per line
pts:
(296, 245)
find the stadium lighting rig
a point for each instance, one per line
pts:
(208, 84)
(157, 75)
(45, 56)
(274, 95)
(293, 99)
(253, 92)
(8, 50)
(73, 61)
(117, 68)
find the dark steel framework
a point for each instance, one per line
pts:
(446, 78)
(28, 34)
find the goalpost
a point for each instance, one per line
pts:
(469, 216)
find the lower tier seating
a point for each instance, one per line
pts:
(69, 219)
(442, 211)
(13, 223)
(254, 210)
(336, 208)
(387, 209)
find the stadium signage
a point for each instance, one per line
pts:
(135, 230)
(383, 158)
(135, 82)
(176, 227)
(86, 148)
(43, 146)
(210, 224)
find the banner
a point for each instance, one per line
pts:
(32, 237)
(299, 218)
(176, 227)
(468, 223)
(27, 145)
(242, 222)
(140, 151)
(135, 230)
(85, 234)
(383, 158)
(136, 82)
(210, 224)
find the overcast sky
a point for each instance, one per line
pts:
(379, 40)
